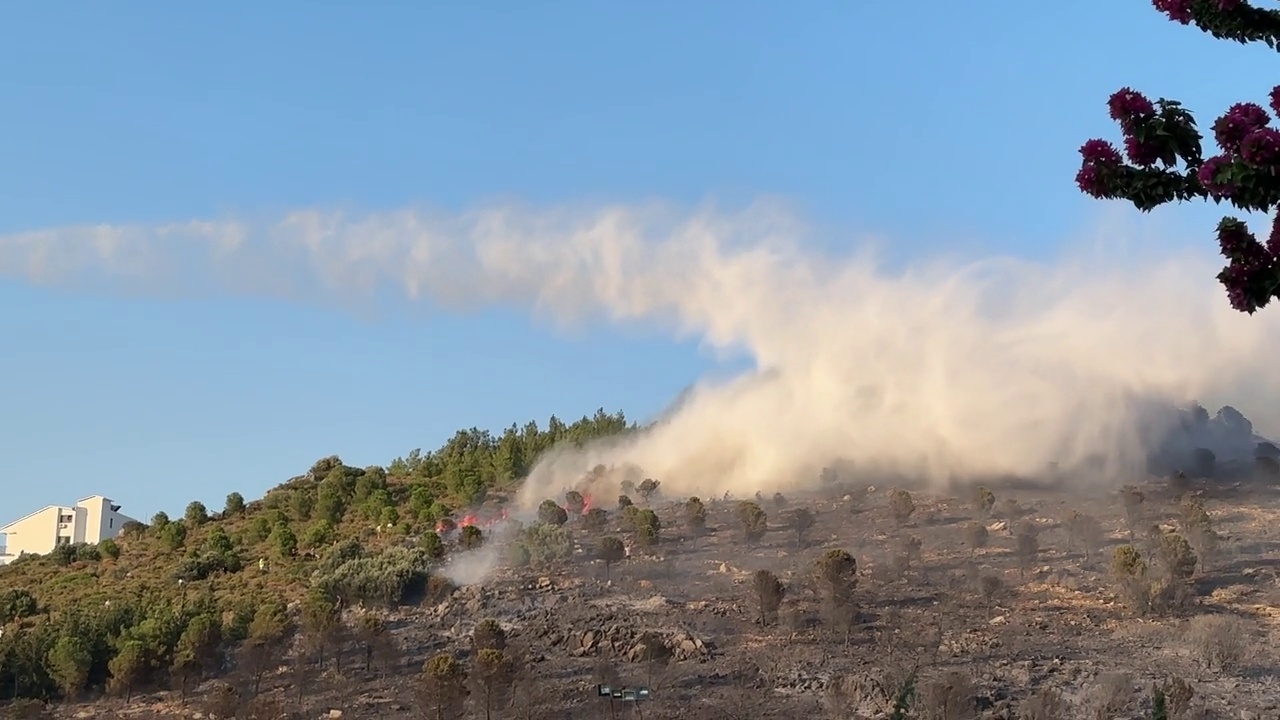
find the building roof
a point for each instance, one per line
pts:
(29, 515)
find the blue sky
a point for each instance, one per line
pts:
(936, 125)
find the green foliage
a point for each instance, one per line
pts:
(551, 513)
(69, 663)
(470, 538)
(17, 603)
(285, 542)
(392, 578)
(173, 536)
(548, 543)
(109, 548)
(431, 544)
(196, 513)
(518, 554)
(234, 505)
(128, 623)
(319, 534)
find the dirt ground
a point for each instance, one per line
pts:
(1059, 622)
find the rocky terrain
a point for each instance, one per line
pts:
(1006, 628)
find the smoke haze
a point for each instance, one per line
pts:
(941, 370)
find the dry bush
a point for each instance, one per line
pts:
(1047, 704)
(1026, 545)
(769, 593)
(983, 501)
(1219, 642)
(1110, 697)
(976, 536)
(950, 697)
(1084, 532)
(901, 506)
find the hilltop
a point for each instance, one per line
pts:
(402, 591)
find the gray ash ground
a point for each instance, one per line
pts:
(1060, 624)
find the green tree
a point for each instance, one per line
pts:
(234, 505)
(551, 513)
(611, 552)
(196, 513)
(68, 664)
(431, 544)
(1166, 163)
(127, 668)
(286, 543)
(443, 688)
(173, 536)
(197, 650)
(493, 679)
(470, 538)
(267, 633)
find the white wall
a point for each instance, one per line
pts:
(92, 520)
(101, 519)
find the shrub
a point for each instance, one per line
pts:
(518, 554)
(976, 536)
(431, 544)
(837, 574)
(548, 543)
(769, 593)
(552, 514)
(234, 505)
(488, 635)
(595, 518)
(109, 548)
(17, 603)
(574, 502)
(624, 502)
(395, 577)
(196, 513)
(754, 521)
(901, 506)
(647, 488)
(1176, 557)
(319, 534)
(1219, 642)
(471, 537)
(611, 551)
(984, 501)
(802, 520)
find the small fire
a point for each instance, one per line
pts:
(586, 504)
(447, 525)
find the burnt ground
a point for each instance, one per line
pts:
(1061, 624)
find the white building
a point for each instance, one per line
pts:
(91, 520)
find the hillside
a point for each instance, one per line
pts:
(335, 596)
(168, 597)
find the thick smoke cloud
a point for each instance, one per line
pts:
(937, 371)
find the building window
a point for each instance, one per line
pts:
(64, 540)
(65, 518)
(111, 522)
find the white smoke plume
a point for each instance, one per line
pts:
(937, 371)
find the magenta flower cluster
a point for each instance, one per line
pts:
(1182, 10)
(1236, 123)
(1248, 277)
(1177, 10)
